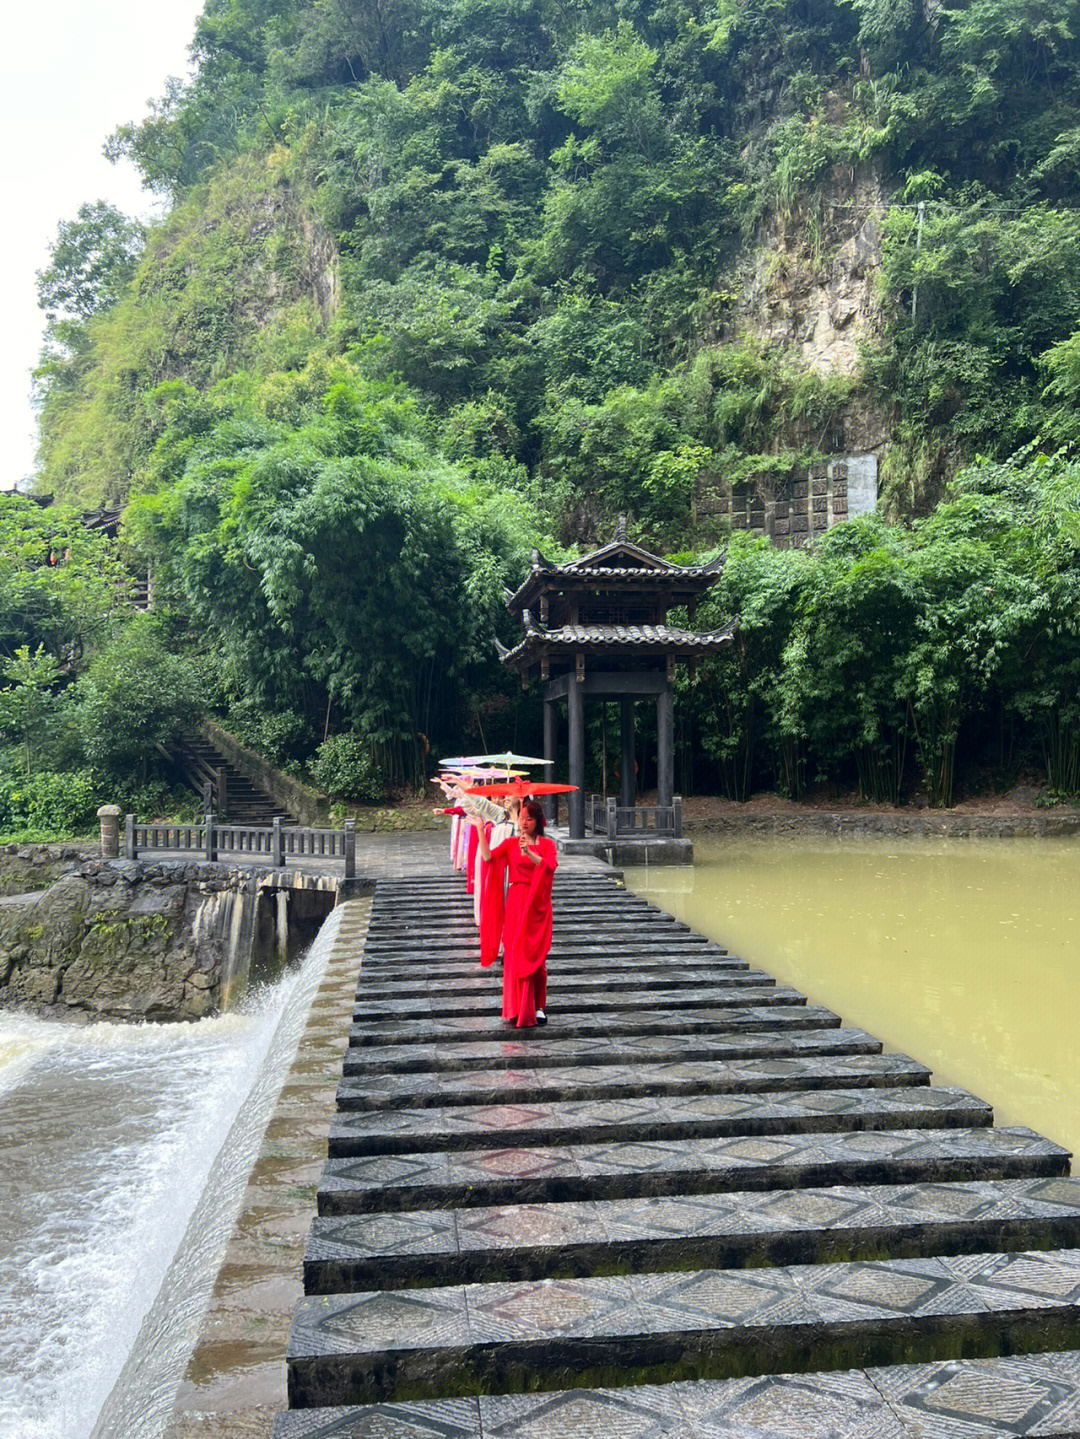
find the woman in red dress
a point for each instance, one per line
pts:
(530, 859)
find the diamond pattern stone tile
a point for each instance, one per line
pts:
(623, 1170)
(463, 1126)
(388, 1091)
(417, 1419)
(606, 1023)
(544, 1049)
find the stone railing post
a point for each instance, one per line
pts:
(676, 805)
(350, 849)
(210, 836)
(612, 818)
(129, 837)
(221, 779)
(279, 844)
(109, 815)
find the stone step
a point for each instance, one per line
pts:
(380, 968)
(438, 952)
(702, 1231)
(419, 918)
(642, 1120)
(611, 1022)
(624, 1081)
(446, 1003)
(1022, 1395)
(468, 1179)
(563, 921)
(470, 979)
(539, 1050)
(710, 1323)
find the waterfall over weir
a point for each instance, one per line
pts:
(126, 1151)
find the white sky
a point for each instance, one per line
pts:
(70, 72)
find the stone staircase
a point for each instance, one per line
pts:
(245, 803)
(692, 1205)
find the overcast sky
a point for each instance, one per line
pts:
(71, 71)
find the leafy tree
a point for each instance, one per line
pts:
(30, 697)
(135, 695)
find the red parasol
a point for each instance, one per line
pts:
(521, 789)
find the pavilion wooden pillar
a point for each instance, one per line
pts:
(575, 801)
(628, 764)
(665, 747)
(551, 751)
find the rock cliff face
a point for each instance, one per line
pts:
(144, 941)
(819, 298)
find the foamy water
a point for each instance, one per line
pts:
(108, 1136)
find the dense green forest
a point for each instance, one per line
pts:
(442, 279)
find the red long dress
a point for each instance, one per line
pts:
(492, 904)
(526, 927)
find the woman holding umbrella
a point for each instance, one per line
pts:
(530, 860)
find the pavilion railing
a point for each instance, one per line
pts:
(274, 845)
(606, 816)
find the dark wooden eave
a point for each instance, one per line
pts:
(642, 641)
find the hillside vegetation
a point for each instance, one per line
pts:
(442, 279)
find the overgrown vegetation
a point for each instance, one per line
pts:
(898, 659)
(443, 279)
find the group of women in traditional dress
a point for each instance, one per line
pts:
(509, 864)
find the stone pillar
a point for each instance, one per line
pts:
(551, 751)
(278, 840)
(665, 747)
(628, 782)
(109, 815)
(281, 924)
(575, 801)
(350, 849)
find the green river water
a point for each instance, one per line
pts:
(963, 953)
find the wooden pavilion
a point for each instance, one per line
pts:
(596, 627)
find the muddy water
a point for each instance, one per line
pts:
(963, 953)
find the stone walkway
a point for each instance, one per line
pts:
(693, 1205)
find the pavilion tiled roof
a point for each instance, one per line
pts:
(645, 639)
(659, 574)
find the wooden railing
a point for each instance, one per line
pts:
(211, 782)
(274, 844)
(607, 816)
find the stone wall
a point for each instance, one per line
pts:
(790, 511)
(915, 822)
(140, 940)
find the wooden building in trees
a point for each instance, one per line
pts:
(597, 628)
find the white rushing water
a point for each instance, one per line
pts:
(123, 1155)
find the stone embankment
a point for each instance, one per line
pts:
(119, 939)
(695, 1203)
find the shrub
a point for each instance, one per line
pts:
(344, 768)
(52, 805)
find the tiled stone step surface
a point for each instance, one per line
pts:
(413, 1131)
(708, 1231)
(540, 1050)
(419, 923)
(413, 982)
(739, 990)
(554, 1174)
(712, 1323)
(1028, 1395)
(525, 1086)
(600, 965)
(613, 1023)
(584, 945)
